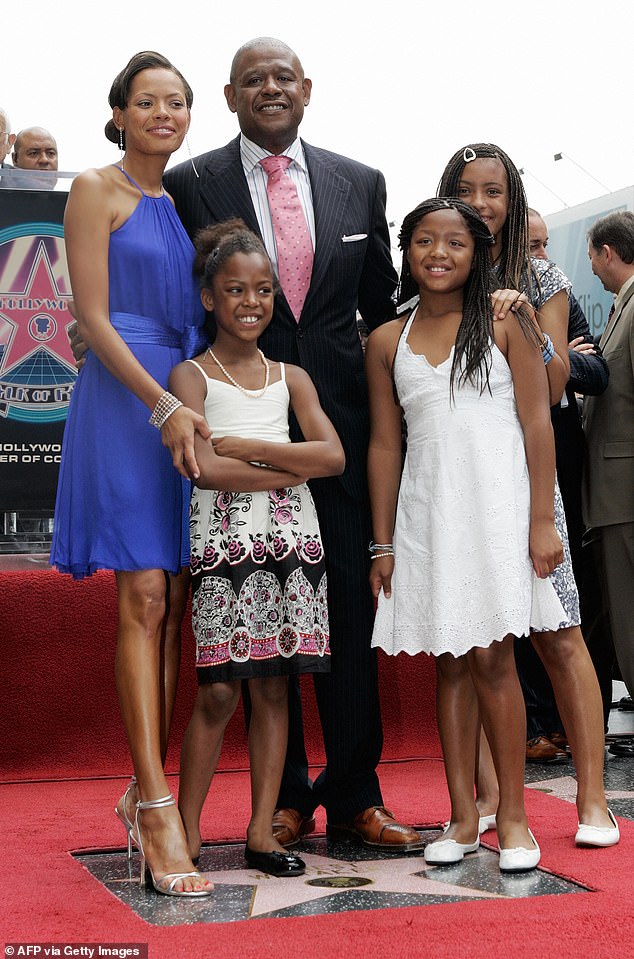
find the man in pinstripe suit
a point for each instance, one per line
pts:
(344, 205)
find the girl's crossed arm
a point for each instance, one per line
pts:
(532, 398)
(222, 472)
(386, 448)
(321, 453)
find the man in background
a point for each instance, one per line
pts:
(608, 420)
(35, 150)
(7, 139)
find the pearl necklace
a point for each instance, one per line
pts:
(253, 393)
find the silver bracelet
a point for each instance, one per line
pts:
(373, 547)
(166, 405)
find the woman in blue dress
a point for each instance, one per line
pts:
(121, 503)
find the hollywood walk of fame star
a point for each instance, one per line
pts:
(338, 878)
(394, 875)
(36, 318)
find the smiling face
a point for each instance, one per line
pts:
(484, 184)
(440, 252)
(269, 92)
(241, 296)
(156, 116)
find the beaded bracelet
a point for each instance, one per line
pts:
(381, 555)
(548, 350)
(166, 405)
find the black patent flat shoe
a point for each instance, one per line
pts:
(275, 863)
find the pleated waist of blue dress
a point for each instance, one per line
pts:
(134, 329)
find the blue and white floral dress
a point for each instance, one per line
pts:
(259, 602)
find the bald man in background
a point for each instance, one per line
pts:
(35, 150)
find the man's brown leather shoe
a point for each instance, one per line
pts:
(377, 827)
(558, 739)
(289, 826)
(541, 750)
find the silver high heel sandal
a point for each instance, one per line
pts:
(123, 817)
(173, 877)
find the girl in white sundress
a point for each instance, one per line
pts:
(258, 577)
(462, 550)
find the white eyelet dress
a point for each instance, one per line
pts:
(462, 576)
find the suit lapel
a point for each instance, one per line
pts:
(330, 192)
(224, 192)
(609, 330)
(223, 188)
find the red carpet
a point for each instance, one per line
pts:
(59, 720)
(48, 897)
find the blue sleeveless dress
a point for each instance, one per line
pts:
(120, 503)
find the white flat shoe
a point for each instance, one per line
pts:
(485, 823)
(443, 852)
(598, 835)
(520, 859)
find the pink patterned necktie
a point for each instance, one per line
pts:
(292, 237)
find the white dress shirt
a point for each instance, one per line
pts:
(251, 154)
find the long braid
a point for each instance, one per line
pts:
(514, 259)
(475, 333)
(513, 270)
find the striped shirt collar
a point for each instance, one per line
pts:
(251, 154)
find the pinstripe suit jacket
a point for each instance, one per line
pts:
(357, 273)
(608, 420)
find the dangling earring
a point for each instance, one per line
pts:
(191, 159)
(121, 147)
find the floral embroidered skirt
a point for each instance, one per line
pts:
(259, 602)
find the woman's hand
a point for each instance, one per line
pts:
(381, 571)
(545, 548)
(505, 301)
(178, 435)
(78, 346)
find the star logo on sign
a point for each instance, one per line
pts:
(36, 318)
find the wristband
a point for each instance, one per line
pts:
(548, 350)
(166, 405)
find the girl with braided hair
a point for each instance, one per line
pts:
(466, 538)
(483, 175)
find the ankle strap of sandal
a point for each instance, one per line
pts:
(157, 803)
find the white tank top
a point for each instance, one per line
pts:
(230, 412)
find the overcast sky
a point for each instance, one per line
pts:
(400, 89)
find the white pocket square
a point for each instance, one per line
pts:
(354, 237)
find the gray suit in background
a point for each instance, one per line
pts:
(608, 482)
